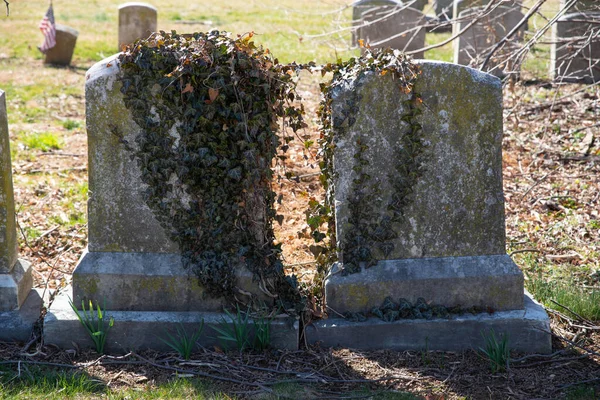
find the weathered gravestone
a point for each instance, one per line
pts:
(583, 5)
(575, 51)
(394, 28)
(131, 265)
(363, 6)
(136, 21)
(19, 306)
(419, 216)
(62, 52)
(472, 47)
(458, 6)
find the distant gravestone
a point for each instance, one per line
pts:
(419, 216)
(582, 5)
(363, 6)
(394, 28)
(62, 52)
(131, 263)
(472, 47)
(462, 5)
(443, 9)
(575, 51)
(136, 21)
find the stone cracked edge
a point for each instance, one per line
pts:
(136, 330)
(17, 325)
(528, 332)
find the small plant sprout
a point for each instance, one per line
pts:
(262, 332)
(94, 323)
(181, 342)
(496, 351)
(235, 331)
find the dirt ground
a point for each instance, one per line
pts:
(551, 183)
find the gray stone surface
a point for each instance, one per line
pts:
(575, 51)
(393, 27)
(457, 206)
(443, 9)
(118, 218)
(62, 52)
(136, 21)
(8, 230)
(528, 331)
(135, 330)
(472, 47)
(15, 286)
(16, 325)
(462, 5)
(583, 5)
(485, 281)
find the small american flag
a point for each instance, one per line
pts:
(49, 31)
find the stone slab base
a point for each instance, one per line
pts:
(528, 332)
(138, 330)
(146, 282)
(15, 286)
(17, 325)
(492, 281)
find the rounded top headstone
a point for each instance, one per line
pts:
(136, 4)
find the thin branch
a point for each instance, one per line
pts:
(7, 9)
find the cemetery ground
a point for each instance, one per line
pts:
(551, 185)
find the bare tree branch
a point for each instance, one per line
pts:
(7, 9)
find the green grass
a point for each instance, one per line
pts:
(582, 392)
(44, 141)
(70, 124)
(585, 302)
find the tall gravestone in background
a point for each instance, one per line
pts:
(428, 204)
(136, 21)
(462, 5)
(361, 7)
(62, 52)
(575, 50)
(18, 310)
(131, 264)
(394, 28)
(583, 5)
(472, 47)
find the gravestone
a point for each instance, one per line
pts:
(575, 50)
(420, 217)
(131, 264)
(582, 5)
(62, 52)
(384, 27)
(136, 21)
(18, 309)
(364, 6)
(472, 47)
(459, 6)
(443, 9)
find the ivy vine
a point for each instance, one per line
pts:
(209, 107)
(368, 237)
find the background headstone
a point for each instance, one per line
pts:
(472, 47)
(15, 275)
(136, 21)
(583, 5)
(575, 50)
(395, 28)
(62, 52)
(462, 5)
(363, 6)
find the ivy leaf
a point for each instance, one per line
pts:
(212, 95)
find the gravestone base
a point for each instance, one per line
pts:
(15, 286)
(492, 281)
(148, 282)
(17, 325)
(138, 330)
(528, 331)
